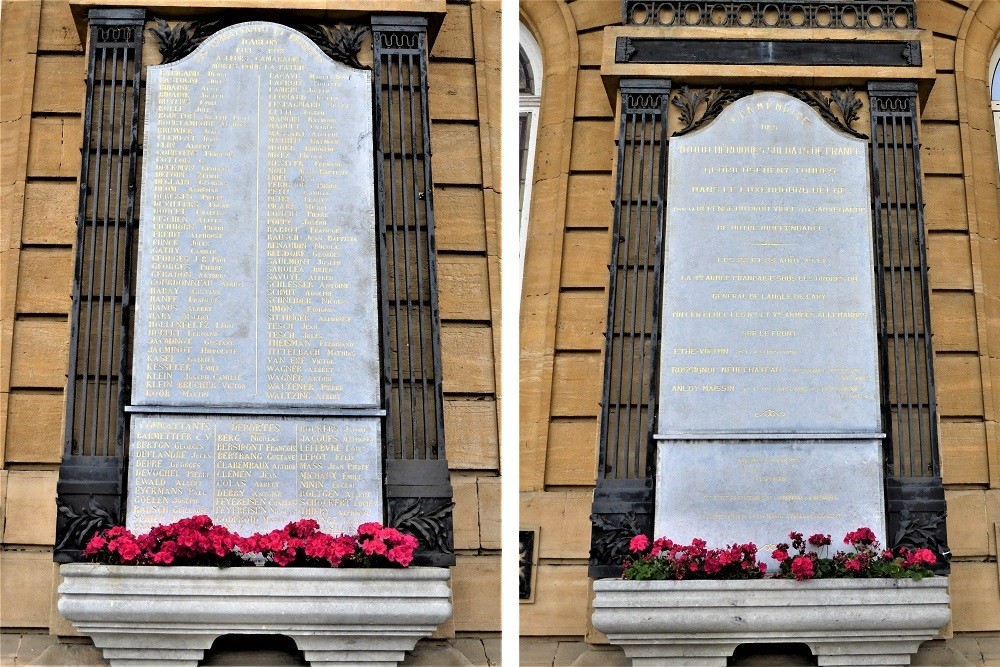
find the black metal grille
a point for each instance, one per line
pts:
(626, 459)
(860, 14)
(633, 309)
(418, 488)
(909, 412)
(97, 387)
(412, 369)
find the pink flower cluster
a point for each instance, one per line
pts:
(664, 559)
(867, 559)
(197, 541)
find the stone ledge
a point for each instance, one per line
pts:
(172, 615)
(843, 621)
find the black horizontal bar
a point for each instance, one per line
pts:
(802, 52)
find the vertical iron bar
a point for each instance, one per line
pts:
(398, 293)
(641, 435)
(95, 194)
(640, 165)
(891, 304)
(621, 425)
(411, 378)
(902, 337)
(417, 253)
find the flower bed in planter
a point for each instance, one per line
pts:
(690, 605)
(156, 615)
(843, 621)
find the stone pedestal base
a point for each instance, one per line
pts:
(843, 621)
(172, 615)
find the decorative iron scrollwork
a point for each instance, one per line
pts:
(81, 523)
(429, 519)
(700, 105)
(175, 42)
(612, 533)
(846, 102)
(342, 43)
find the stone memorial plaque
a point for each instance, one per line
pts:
(255, 473)
(256, 269)
(768, 294)
(725, 492)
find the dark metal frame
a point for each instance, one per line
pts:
(91, 478)
(914, 493)
(418, 491)
(623, 499)
(417, 483)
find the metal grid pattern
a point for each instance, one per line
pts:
(90, 488)
(106, 225)
(908, 381)
(630, 353)
(411, 337)
(858, 14)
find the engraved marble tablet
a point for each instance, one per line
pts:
(256, 273)
(768, 294)
(254, 474)
(759, 491)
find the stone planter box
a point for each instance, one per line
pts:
(146, 615)
(843, 621)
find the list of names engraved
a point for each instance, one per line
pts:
(253, 474)
(768, 295)
(256, 272)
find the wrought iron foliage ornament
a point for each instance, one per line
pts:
(342, 43)
(846, 102)
(429, 519)
(700, 105)
(922, 530)
(79, 524)
(612, 533)
(175, 42)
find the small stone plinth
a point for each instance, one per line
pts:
(141, 615)
(843, 621)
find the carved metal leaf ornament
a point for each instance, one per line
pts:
(342, 43)
(82, 524)
(846, 102)
(429, 519)
(700, 105)
(180, 40)
(922, 530)
(610, 545)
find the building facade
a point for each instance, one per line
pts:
(44, 74)
(569, 247)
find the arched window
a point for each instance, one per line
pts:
(530, 84)
(995, 94)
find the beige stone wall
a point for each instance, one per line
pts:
(564, 301)
(43, 88)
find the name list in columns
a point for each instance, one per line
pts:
(256, 281)
(254, 474)
(768, 296)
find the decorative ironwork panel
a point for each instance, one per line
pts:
(90, 479)
(418, 488)
(628, 408)
(858, 14)
(525, 562)
(914, 494)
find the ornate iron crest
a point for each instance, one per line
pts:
(429, 519)
(700, 105)
(922, 530)
(341, 43)
(846, 102)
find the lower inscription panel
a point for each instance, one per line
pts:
(757, 492)
(255, 473)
